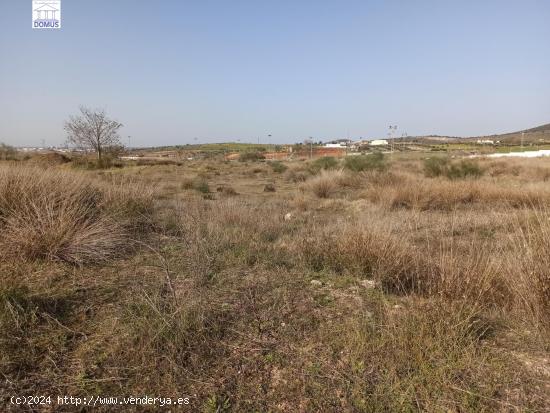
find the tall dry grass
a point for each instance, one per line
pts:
(528, 270)
(222, 302)
(424, 357)
(328, 182)
(440, 194)
(65, 216)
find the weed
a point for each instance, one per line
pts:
(278, 167)
(361, 163)
(323, 163)
(251, 156)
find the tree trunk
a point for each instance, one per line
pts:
(98, 152)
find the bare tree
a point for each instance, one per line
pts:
(92, 129)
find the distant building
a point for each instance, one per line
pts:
(334, 145)
(485, 142)
(378, 142)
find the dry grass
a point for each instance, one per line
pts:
(442, 194)
(327, 182)
(350, 292)
(58, 215)
(423, 357)
(528, 271)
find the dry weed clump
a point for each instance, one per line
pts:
(367, 251)
(60, 215)
(227, 190)
(528, 270)
(326, 183)
(297, 173)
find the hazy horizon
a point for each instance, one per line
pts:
(182, 72)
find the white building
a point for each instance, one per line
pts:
(378, 142)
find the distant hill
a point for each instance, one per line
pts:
(543, 128)
(532, 135)
(536, 134)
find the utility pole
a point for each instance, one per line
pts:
(522, 135)
(310, 141)
(392, 130)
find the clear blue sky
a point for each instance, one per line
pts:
(172, 71)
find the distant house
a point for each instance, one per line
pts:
(378, 142)
(485, 142)
(334, 145)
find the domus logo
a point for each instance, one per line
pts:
(46, 14)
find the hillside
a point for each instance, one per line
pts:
(532, 135)
(543, 129)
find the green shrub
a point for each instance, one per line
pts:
(278, 167)
(251, 156)
(324, 163)
(7, 153)
(435, 167)
(374, 162)
(201, 186)
(464, 169)
(92, 163)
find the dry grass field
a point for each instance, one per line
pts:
(372, 285)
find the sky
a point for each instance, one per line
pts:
(177, 71)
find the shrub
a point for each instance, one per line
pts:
(435, 167)
(374, 162)
(226, 190)
(278, 167)
(324, 184)
(197, 183)
(324, 163)
(201, 186)
(366, 252)
(7, 153)
(251, 156)
(297, 174)
(187, 183)
(50, 159)
(464, 169)
(109, 160)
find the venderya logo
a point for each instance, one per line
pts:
(46, 14)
